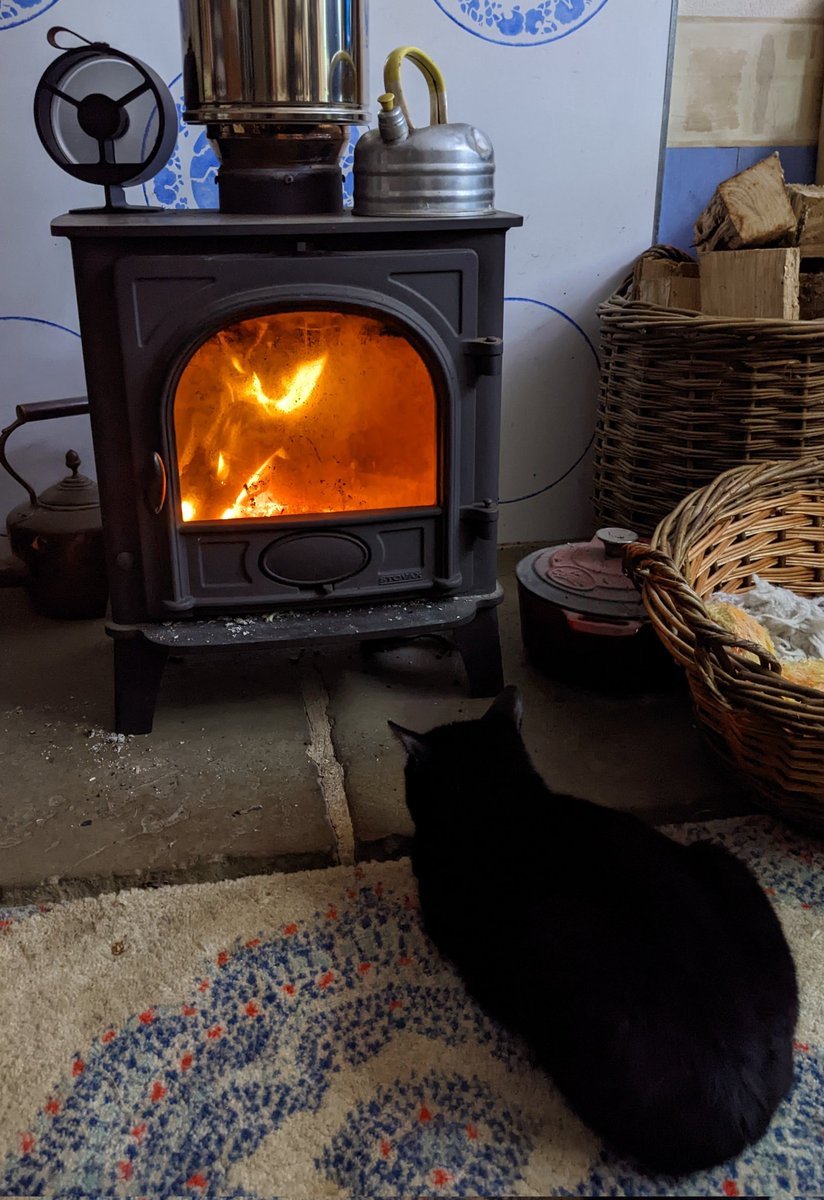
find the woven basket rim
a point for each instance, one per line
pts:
(668, 547)
(620, 309)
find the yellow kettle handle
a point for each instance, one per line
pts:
(434, 81)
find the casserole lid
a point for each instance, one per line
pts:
(586, 577)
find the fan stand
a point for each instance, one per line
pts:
(116, 202)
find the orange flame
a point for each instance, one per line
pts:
(349, 403)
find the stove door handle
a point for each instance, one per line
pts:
(159, 486)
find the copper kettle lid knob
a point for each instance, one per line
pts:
(73, 491)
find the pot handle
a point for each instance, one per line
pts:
(579, 624)
(38, 410)
(434, 81)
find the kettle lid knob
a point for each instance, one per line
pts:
(72, 462)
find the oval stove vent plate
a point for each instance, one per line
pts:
(314, 559)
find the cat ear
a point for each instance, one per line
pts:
(508, 703)
(413, 743)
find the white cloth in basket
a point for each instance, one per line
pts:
(795, 623)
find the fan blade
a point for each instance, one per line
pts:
(133, 94)
(61, 95)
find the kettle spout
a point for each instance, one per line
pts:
(392, 123)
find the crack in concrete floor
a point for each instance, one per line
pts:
(322, 753)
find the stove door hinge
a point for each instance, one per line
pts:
(487, 353)
(482, 518)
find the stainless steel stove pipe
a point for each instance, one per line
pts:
(282, 61)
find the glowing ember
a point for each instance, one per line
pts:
(254, 499)
(349, 403)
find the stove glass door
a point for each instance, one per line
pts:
(309, 412)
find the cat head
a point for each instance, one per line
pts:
(456, 762)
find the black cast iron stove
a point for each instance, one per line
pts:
(296, 421)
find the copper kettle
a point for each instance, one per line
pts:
(58, 535)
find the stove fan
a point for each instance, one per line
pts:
(104, 117)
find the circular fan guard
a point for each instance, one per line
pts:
(104, 116)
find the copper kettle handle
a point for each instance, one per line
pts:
(38, 410)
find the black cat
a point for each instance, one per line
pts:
(651, 980)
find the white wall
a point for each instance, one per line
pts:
(571, 93)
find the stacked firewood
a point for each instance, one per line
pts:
(760, 244)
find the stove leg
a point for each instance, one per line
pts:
(138, 669)
(479, 645)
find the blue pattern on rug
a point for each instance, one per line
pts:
(192, 1089)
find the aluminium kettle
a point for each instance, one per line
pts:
(441, 168)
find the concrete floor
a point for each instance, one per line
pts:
(240, 774)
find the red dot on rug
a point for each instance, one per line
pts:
(197, 1181)
(158, 1091)
(364, 967)
(440, 1178)
(250, 945)
(125, 1169)
(26, 1143)
(203, 986)
(289, 988)
(108, 1036)
(215, 1032)
(252, 1009)
(185, 1062)
(730, 1187)
(138, 1131)
(332, 913)
(147, 1017)
(424, 1114)
(52, 1107)
(223, 958)
(290, 929)
(78, 1067)
(471, 1133)
(326, 979)
(188, 1010)
(386, 1149)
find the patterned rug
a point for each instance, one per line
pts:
(299, 1036)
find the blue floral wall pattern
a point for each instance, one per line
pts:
(189, 178)
(522, 24)
(18, 12)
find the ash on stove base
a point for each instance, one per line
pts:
(141, 651)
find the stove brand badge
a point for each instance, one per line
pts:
(18, 12)
(526, 24)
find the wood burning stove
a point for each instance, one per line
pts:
(296, 422)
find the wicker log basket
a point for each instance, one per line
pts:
(767, 520)
(685, 396)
